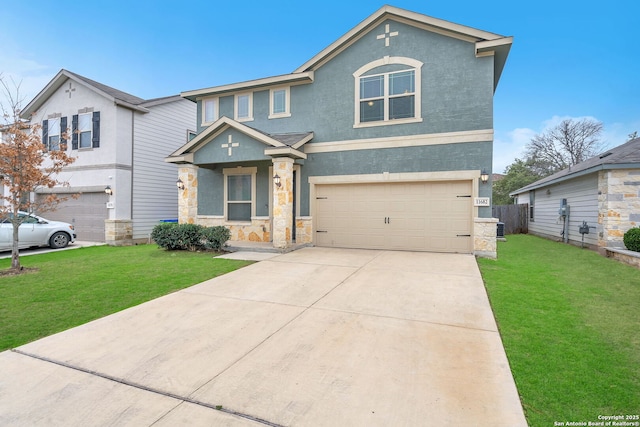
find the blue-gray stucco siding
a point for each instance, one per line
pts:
(457, 95)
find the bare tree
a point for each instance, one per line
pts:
(25, 166)
(568, 143)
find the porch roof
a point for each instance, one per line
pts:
(277, 144)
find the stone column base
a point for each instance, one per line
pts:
(118, 232)
(484, 237)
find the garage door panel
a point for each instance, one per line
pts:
(425, 216)
(87, 214)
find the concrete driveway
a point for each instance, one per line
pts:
(315, 337)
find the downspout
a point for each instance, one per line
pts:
(133, 113)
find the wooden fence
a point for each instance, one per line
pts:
(514, 217)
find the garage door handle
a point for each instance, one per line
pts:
(321, 231)
(463, 235)
(387, 220)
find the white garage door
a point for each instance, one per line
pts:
(418, 216)
(87, 213)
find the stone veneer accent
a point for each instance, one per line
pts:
(283, 203)
(259, 230)
(484, 237)
(118, 232)
(618, 205)
(188, 198)
(304, 230)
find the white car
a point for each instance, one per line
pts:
(36, 231)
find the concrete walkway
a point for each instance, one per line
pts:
(315, 337)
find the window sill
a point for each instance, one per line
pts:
(279, 115)
(243, 119)
(387, 123)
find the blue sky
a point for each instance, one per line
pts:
(570, 59)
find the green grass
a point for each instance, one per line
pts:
(570, 323)
(76, 286)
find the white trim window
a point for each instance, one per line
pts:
(209, 110)
(53, 134)
(388, 97)
(85, 126)
(244, 107)
(279, 100)
(239, 194)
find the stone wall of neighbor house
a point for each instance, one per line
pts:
(625, 256)
(484, 237)
(618, 205)
(118, 232)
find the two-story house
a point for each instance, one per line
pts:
(382, 140)
(119, 142)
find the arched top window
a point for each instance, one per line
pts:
(387, 91)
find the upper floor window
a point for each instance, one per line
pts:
(244, 107)
(85, 129)
(209, 110)
(53, 131)
(279, 103)
(389, 96)
(53, 134)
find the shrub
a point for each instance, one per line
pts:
(191, 237)
(165, 235)
(215, 237)
(631, 239)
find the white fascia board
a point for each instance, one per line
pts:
(187, 158)
(216, 128)
(289, 79)
(490, 45)
(285, 151)
(303, 141)
(129, 106)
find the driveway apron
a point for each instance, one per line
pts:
(315, 337)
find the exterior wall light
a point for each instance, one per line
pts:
(276, 181)
(484, 176)
(180, 184)
(108, 190)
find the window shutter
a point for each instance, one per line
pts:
(63, 131)
(74, 132)
(96, 129)
(45, 132)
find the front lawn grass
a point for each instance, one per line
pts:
(76, 286)
(570, 324)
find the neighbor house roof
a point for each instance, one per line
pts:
(625, 156)
(117, 96)
(485, 44)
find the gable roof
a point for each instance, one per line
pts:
(625, 156)
(117, 96)
(277, 144)
(486, 43)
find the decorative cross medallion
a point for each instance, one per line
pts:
(71, 89)
(387, 35)
(229, 145)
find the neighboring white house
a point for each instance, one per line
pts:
(119, 141)
(603, 191)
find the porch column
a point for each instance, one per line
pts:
(282, 202)
(188, 197)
